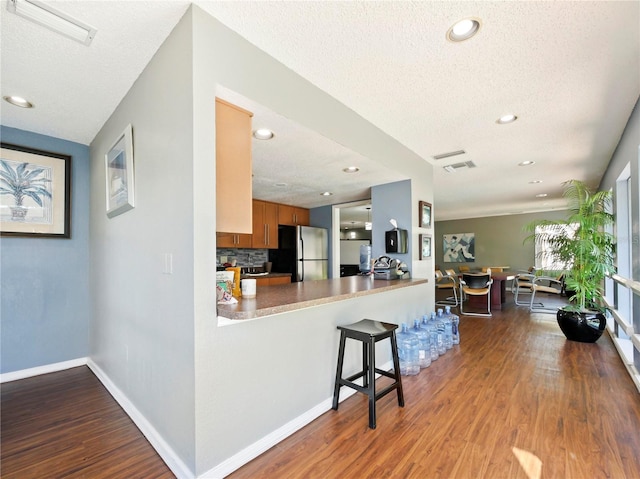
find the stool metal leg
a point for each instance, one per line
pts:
(336, 389)
(396, 369)
(371, 390)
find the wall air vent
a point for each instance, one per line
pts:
(459, 166)
(448, 155)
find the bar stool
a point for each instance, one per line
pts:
(369, 332)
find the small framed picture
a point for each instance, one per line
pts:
(35, 193)
(425, 215)
(425, 246)
(120, 175)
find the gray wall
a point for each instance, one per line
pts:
(237, 402)
(142, 333)
(156, 335)
(627, 154)
(45, 305)
(499, 239)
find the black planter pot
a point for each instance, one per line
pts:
(582, 326)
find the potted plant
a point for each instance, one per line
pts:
(22, 183)
(586, 250)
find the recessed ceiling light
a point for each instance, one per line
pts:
(326, 193)
(526, 163)
(263, 134)
(18, 101)
(541, 195)
(504, 119)
(351, 169)
(463, 30)
(535, 182)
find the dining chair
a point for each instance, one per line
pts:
(464, 269)
(447, 282)
(476, 284)
(523, 285)
(545, 284)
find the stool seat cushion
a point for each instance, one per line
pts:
(370, 327)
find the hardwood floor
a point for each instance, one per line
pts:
(65, 424)
(514, 400)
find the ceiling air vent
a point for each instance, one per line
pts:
(448, 155)
(459, 166)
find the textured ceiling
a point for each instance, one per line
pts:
(569, 70)
(75, 88)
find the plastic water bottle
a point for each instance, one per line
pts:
(439, 325)
(433, 337)
(448, 327)
(408, 351)
(365, 258)
(424, 353)
(455, 323)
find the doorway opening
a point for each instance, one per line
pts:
(349, 224)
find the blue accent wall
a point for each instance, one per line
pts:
(391, 200)
(320, 217)
(44, 283)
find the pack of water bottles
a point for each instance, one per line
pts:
(427, 340)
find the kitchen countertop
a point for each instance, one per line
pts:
(290, 297)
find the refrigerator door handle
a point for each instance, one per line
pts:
(301, 259)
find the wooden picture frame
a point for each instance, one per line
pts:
(119, 174)
(35, 192)
(424, 214)
(425, 246)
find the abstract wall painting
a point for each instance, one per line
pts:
(459, 248)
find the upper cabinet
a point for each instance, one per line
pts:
(293, 216)
(233, 240)
(233, 168)
(265, 224)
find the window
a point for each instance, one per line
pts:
(545, 259)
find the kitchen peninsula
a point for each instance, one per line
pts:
(295, 296)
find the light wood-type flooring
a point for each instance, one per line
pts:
(513, 400)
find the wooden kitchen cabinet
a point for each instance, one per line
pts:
(265, 225)
(293, 216)
(273, 281)
(233, 168)
(233, 240)
(279, 280)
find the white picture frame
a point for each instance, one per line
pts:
(120, 175)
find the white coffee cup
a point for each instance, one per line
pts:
(248, 288)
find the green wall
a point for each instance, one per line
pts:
(498, 239)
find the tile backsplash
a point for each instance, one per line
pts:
(244, 257)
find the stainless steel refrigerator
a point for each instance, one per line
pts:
(302, 251)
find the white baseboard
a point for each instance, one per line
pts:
(171, 459)
(267, 442)
(46, 369)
